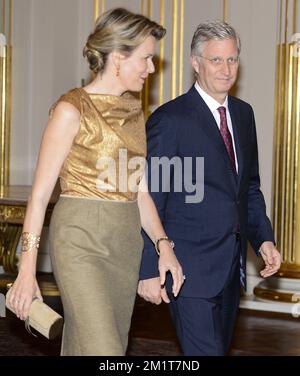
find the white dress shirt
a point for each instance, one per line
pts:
(213, 105)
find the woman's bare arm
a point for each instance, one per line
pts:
(56, 143)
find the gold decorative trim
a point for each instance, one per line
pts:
(14, 214)
(161, 55)
(9, 239)
(96, 9)
(277, 146)
(286, 194)
(296, 234)
(11, 219)
(142, 6)
(276, 151)
(281, 171)
(295, 152)
(295, 274)
(141, 94)
(286, 21)
(149, 8)
(288, 164)
(225, 10)
(3, 115)
(294, 17)
(8, 113)
(3, 17)
(5, 92)
(181, 48)
(174, 49)
(146, 87)
(279, 296)
(280, 22)
(10, 22)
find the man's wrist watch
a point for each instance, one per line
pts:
(172, 244)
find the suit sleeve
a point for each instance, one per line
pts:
(259, 226)
(161, 142)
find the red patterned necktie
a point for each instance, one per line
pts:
(226, 136)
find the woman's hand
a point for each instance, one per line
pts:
(168, 262)
(21, 294)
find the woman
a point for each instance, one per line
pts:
(95, 237)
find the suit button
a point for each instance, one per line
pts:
(237, 236)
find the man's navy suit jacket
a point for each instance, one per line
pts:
(233, 207)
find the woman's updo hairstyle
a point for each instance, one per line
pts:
(120, 30)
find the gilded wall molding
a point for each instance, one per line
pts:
(161, 55)
(286, 166)
(225, 10)
(286, 199)
(181, 47)
(145, 93)
(99, 8)
(174, 49)
(14, 214)
(5, 91)
(177, 45)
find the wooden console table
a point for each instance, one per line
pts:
(13, 201)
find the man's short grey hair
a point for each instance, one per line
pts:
(213, 30)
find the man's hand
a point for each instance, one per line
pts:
(271, 257)
(150, 290)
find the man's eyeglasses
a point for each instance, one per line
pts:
(217, 61)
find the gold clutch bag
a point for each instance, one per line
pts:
(42, 318)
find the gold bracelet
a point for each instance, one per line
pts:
(172, 244)
(29, 242)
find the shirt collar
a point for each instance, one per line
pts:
(212, 104)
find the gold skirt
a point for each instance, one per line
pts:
(96, 249)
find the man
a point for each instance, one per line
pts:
(211, 235)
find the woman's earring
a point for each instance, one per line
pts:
(118, 71)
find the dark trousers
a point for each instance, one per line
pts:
(205, 326)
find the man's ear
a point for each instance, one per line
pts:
(195, 63)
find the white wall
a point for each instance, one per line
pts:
(47, 61)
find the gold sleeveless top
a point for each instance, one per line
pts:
(108, 153)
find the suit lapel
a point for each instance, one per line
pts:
(203, 116)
